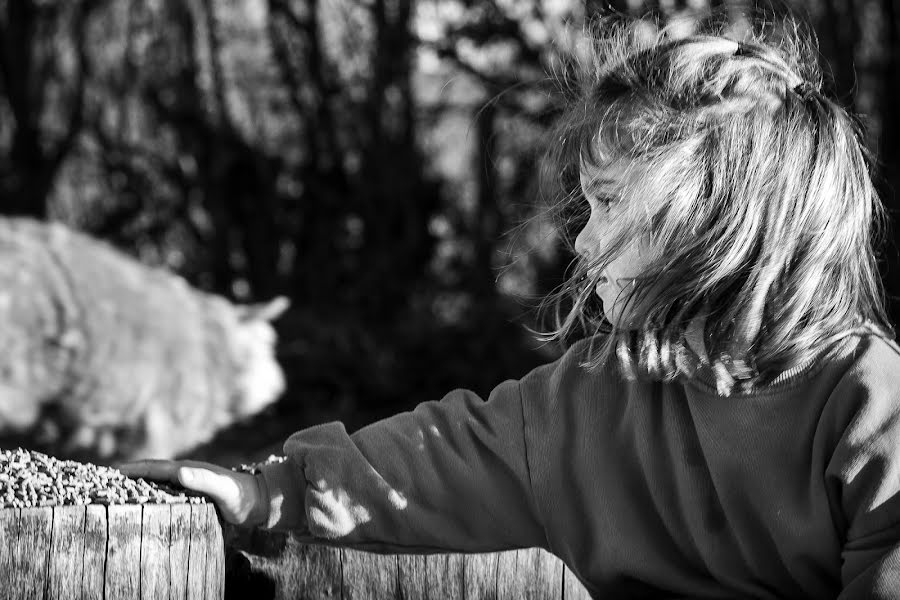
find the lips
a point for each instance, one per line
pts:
(599, 279)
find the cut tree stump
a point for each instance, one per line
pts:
(129, 551)
(177, 551)
(276, 566)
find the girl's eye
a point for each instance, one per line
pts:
(600, 200)
(605, 200)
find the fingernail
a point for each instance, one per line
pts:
(187, 476)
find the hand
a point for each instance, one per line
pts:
(240, 497)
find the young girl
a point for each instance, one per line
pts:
(730, 428)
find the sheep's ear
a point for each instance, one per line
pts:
(264, 311)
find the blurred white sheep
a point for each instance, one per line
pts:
(106, 358)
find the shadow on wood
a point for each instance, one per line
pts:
(275, 566)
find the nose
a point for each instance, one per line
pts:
(583, 241)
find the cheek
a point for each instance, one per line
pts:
(631, 263)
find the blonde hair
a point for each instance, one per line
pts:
(758, 197)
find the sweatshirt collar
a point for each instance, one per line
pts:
(704, 377)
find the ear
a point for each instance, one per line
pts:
(265, 311)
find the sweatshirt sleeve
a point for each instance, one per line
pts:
(865, 476)
(449, 476)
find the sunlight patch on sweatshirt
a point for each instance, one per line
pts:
(332, 513)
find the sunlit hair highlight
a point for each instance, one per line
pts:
(756, 195)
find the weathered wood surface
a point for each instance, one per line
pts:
(275, 566)
(178, 552)
(67, 554)
(96, 535)
(28, 566)
(105, 553)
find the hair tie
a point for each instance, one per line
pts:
(805, 90)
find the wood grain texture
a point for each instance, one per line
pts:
(97, 552)
(542, 573)
(179, 550)
(196, 579)
(216, 574)
(510, 586)
(444, 575)
(123, 556)
(572, 588)
(154, 554)
(311, 572)
(9, 539)
(274, 565)
(531, 574)
(480, 575)
(411, 576)
(369, 576)
(94, 563)
(66, 553)
(29, 560)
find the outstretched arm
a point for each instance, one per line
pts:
(450, 475)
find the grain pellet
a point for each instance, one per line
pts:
(29, 478)
(253, 468)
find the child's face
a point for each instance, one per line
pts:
(601, 188)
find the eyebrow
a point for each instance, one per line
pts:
(599, 185)
(600, 179)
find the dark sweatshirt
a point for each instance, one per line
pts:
(642, 488)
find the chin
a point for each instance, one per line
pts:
(614, 319)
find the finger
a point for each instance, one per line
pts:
(205, 465)
(151, 469)
(202, 479)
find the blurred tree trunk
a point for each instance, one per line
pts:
(316, 213)
(234, 183)
(242, 193)
(30, 78)
(396, 203)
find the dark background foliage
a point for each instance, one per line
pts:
(373, 160)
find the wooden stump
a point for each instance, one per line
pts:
(275, 566)
(100, 552)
